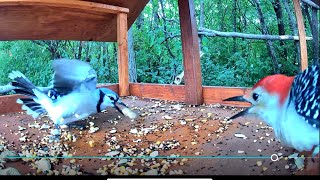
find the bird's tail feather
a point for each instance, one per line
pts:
(37, 102)
(31, 107)
(21, 84)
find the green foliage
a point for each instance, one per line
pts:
(27, 57)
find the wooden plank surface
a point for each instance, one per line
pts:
(191, 54)
(212, 95)
(302, 35)
(70, 4)
(158, 91)
(61, 20)
(123, 66)
(216, 94)
(8, 104)
(113, 87)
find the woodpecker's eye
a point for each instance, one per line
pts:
(255, 96)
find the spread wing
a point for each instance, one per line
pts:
(307, 95)
(73, 75)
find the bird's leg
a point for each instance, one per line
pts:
(55, 133)
(57, 129)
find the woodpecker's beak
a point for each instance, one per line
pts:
(119, 102)
(239, 99)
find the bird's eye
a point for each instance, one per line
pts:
(111, 98)
(255, 96)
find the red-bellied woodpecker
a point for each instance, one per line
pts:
(291, 105)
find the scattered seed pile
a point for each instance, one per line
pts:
(167, 138)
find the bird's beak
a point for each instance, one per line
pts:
(239, 99)
(119, 102)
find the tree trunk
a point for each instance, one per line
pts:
(222, 14)
(104, 59)
(132, 60)
(234, 14)
(201, 24)
(140, 21)
(80, 50)
(313, 26)
(155, 9)
(315, 35)
(166, 33)
(306, 14)
(294, 29)
(278, 11)
(270, 48)
(87, 59)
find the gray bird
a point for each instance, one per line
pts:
(72, 97)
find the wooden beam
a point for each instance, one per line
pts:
(211, 94)
(216, 94)
(191, 54)
(158, 91)
(123, 66)
(302, 35)
(69, 4)
(58, 20)
(113, 87)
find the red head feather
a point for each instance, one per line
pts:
(276, 84)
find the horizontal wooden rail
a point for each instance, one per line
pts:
(211, 94)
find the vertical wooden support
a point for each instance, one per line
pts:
(302, 35)
(123, 66)
(191, 54)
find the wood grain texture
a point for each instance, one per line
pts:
(113, 87)
(135, 7)
(70, 4)
(63, 19)
(123, 65)
(216, 94)
(212, 95)
(8, 104)
(191, 54)
(158, 91)
(302, 35)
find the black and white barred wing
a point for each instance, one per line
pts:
(306, 93)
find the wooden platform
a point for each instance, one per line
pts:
(65, 19)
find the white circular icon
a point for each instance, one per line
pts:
(274, 157)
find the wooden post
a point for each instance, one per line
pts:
(302, 35)
(123, 66)
(191, 54)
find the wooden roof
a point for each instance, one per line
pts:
(88, 20)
